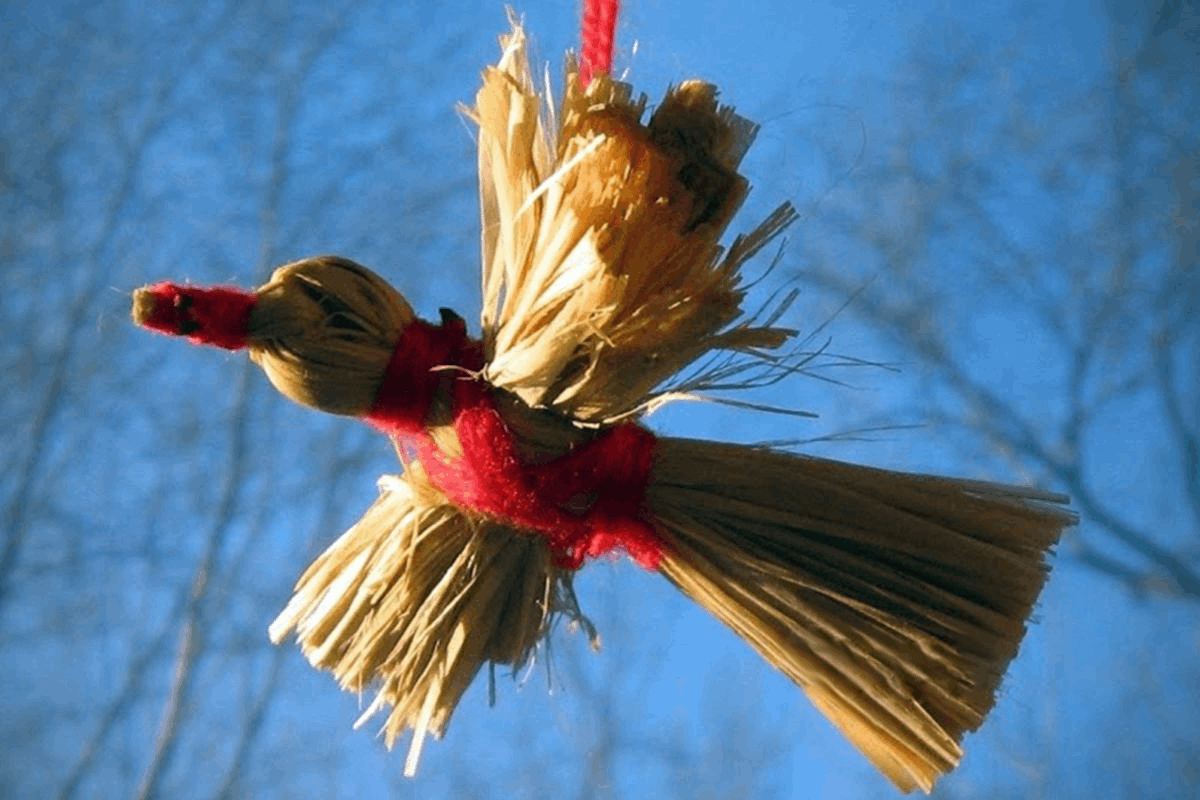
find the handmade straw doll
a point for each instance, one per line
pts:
(895, 601)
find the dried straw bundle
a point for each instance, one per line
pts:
(896, 601)
(415, 598)
(602, 272)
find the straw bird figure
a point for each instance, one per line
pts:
(895, 601)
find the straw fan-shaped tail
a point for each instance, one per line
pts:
(894, 600)
(415, 598)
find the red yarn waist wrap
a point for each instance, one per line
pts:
(609, 473)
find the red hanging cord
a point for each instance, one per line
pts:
(599, 22)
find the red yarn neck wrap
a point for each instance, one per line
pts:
(606, 477)
(218, 316)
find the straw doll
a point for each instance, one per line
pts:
(895, 601)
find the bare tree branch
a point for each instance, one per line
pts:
(102, 265)
(191, 642)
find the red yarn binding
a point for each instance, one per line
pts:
(412, 376)
(599, 22)
(608, 476)
(218, 316)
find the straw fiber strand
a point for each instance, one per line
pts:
(895, 600)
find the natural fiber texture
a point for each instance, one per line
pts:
(602, 276)
(415, 598)
(895, 601)
(324, 330)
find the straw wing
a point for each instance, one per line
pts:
(602, 272)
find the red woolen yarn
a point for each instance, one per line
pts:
(219, 316)
(598, 26)
(608, 474)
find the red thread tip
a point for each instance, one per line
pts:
(219, 317)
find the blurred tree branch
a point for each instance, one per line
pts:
(182, 140)
(194, 635)
(101, 265)
(966, 184)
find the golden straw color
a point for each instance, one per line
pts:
(895, 601)
(415, 598)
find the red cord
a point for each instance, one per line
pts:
(599, 22)
(608, 475)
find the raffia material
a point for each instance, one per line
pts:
(416, 598)
(323, 331)
(602, 272)
(895, 601)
